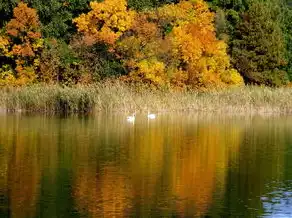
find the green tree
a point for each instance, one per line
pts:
(285, 11)
(56, 16)
(146, 4)
(233, 20)
(228, 16)
(6, 10)
(258, 50)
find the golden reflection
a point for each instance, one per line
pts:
(146, 160)
(106, 194)
(200, 164)
(23, 176)
(180, 165)
(101, 187)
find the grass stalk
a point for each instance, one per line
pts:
(120, 97)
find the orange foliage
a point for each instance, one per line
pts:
(25, 21)
(182, 38)
(22, 43)
(174, 45)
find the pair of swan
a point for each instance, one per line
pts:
(133, 116)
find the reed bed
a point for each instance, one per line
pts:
(120, 97)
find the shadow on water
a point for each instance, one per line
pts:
(178, 165)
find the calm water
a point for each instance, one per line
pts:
(175, 166)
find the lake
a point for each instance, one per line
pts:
(178, 165)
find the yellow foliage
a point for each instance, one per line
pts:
(176, 44)
(172, 45)
(4, 45)
(106, 22)
(232, 77)
(22, 43)
(25, 75)
(6, 76)
(151, 71)
(178, 78)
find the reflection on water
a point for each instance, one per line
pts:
(174, 166)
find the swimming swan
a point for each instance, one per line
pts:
(131, 118)
(151, 116)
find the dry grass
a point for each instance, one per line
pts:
(117, 96)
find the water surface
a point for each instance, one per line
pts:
(178, 165)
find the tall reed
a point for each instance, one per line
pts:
(118, 96)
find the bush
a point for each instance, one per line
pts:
(59, 64)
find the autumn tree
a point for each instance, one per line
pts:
(106, 22)
(173, 45)
(176, 45)
(21, 43)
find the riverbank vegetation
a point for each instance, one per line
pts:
(180, 47)
(121, 97)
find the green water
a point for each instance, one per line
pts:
(174, 166)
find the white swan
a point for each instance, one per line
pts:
(131, 119)
(151, 116)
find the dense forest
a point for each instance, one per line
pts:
(164, 43)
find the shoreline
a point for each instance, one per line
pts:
(120, 97)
